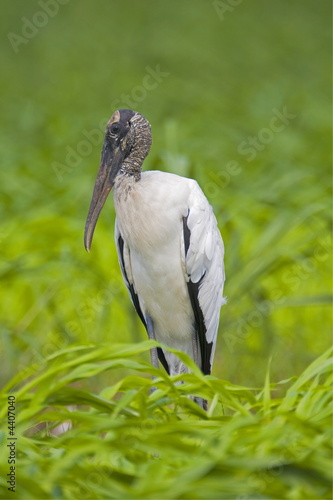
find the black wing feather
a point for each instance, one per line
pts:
(200, 327)
(135, 300)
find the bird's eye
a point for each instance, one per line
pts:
(115, 128)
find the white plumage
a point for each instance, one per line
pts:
(150, 221)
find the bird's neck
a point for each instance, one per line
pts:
(131, 167)
(132, 164)
(126, 181)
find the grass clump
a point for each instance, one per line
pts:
(131, 442)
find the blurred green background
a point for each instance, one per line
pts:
(238, 97)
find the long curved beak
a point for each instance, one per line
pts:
(111, 161)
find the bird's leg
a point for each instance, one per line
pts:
(153, 352)
(151, 335)
(197, 358)
(195, 348)
(202, 403)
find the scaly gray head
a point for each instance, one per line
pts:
(127, 143)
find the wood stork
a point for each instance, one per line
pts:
(169, 247)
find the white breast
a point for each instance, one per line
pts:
(148, 211)
(149, 217)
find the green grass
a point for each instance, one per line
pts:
(129, 442)
(224, 81)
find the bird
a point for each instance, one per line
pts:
(170, 250)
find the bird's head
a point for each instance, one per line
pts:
(126, 144)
